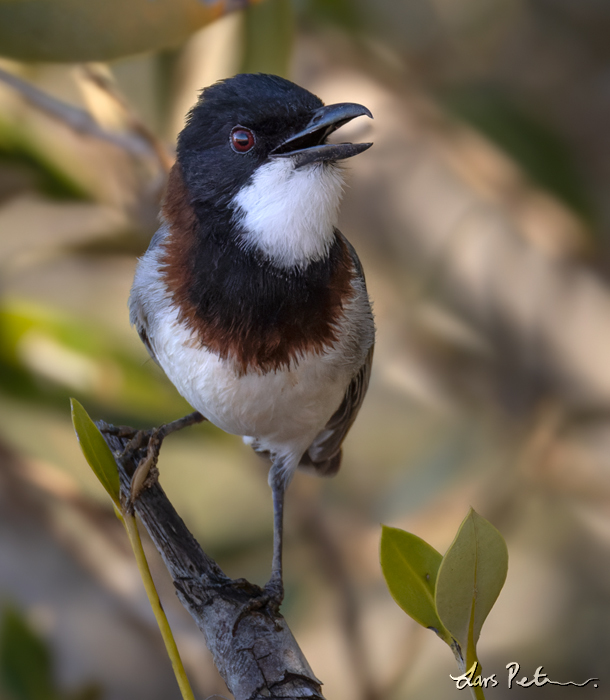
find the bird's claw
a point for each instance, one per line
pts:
(271, 598)
(146, 474)
(273, 593)
(146, 466)
(143, 449)
(122, 431)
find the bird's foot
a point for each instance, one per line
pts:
(146, 473)
(142, 449)
(175, 425)
(271, 597)
(273, 592)
(122, 431)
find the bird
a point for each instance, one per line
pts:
(249, 297)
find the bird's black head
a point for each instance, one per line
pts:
(255, 146)
(240, 123)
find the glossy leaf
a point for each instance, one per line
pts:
(470, 578)
(410, 568)
(99, 30)
(96, 451)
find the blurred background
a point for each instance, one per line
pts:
(482, 217)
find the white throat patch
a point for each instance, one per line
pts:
(289, 215)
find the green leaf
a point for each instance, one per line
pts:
(100, 30)
(410, 567)
(470, 578)
(96, 451)
(25, 661)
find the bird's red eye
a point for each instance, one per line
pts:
(242, 139)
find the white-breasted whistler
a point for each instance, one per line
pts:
(249, 297)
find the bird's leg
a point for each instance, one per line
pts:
(175, 425)
(275, 586)
(155, 438)
(273, 591)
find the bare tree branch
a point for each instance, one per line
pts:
(102, 81)
(254, 651)
(78, 119)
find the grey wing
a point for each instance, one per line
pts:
(138, 318)
(142, 294)
(144, 338)
(324, 453)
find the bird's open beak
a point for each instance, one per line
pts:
(308, 145)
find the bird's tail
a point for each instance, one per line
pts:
(327, 467)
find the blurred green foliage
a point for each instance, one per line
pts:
(269, 34)
(342, 13)
(100, 30)
(47, 356)
(26, 664)
(19, 151)
(534, 145)
(25, 661)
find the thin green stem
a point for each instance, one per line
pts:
(472, 660)
(129, 521)
(477, 692)
(470, 668)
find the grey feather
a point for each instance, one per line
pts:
(324, 453)
(147, 290)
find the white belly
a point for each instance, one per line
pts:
(283, 410)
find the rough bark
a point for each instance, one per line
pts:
(253, 649)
